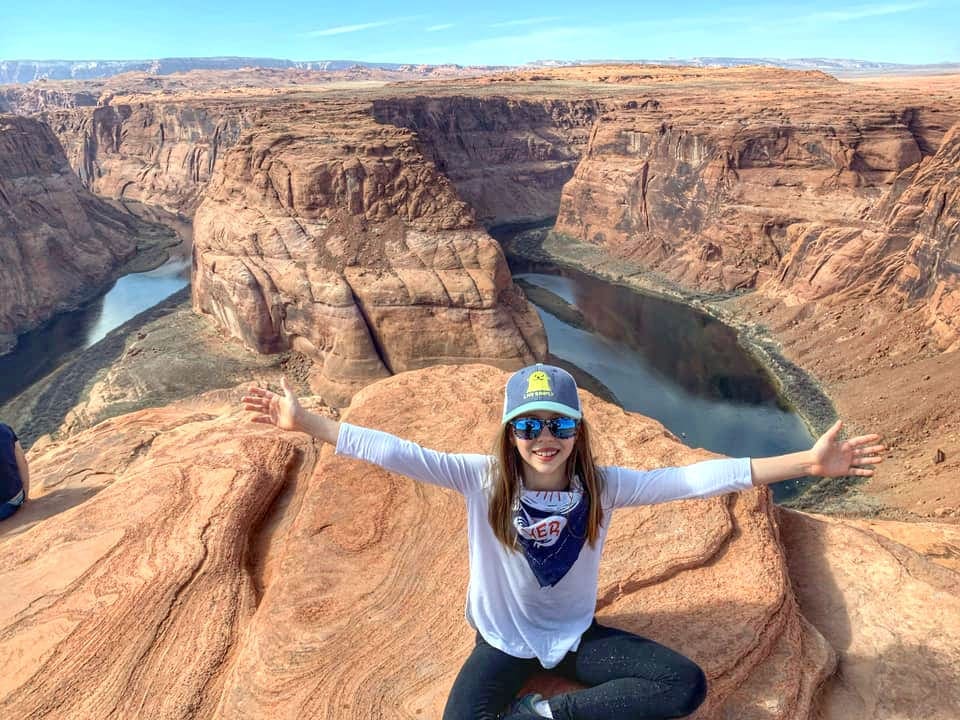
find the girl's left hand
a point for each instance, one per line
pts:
(836, 458)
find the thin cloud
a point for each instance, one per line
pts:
(437, 28)
(341, 29)
(527, 21)
(865, 11)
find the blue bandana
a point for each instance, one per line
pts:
(551, 529)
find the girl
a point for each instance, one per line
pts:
(538, 511)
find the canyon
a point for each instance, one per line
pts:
(62, 244)
(784, 200)
(342, 225)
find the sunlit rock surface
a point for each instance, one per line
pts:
(182, 562)
(891, 615)
(339, 239)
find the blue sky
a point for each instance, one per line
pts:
(493, 32)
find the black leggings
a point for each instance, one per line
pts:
(629, 678)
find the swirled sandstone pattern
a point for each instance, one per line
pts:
(181, 562)
(335, 236)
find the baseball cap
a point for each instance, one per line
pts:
(541, 387)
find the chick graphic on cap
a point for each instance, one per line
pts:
(539, 383)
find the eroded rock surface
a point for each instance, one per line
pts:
(59, 244)
(183, 562)
(891, 615)
(341, 240)
(161, 153)
(835, 200)
(508, 157)
(222, 570)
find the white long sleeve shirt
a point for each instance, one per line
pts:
(507, 602)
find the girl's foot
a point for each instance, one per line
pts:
(525, 707)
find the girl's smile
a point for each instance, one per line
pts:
(544, 457)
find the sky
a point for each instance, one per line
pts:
(491, 32)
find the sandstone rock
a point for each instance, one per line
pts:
(507, 157)
(128, 605)
(657, 182)
(60, 244)
(704, 576)
(890, 614)
(182, 562)
(908, 253)
(348, 246)
(936, 541)
(157, 153)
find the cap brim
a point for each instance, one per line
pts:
(542, 405)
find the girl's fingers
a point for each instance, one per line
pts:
(257, 391)
(261, 419)
(873, 460)
(862, 472)
(833, 430)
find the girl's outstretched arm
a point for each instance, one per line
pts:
(829, 457)
(462, 472)
(286, 413)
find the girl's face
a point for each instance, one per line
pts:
(544, 457)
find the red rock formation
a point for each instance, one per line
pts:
(711, 190)
(181, 562)
(341, 240)
(157, 153)
(509, 158)
(60, 244)
(890, 614)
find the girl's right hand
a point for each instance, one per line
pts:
(283, 411)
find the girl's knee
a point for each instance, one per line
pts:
(691, 690)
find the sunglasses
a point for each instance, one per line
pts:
(529, 428)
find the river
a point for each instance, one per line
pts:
(44, 349)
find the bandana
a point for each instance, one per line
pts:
(551, 529)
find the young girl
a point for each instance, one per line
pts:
(538, 512)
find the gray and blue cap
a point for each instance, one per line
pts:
(541, 387)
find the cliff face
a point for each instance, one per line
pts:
(908, 253)
(59, 244)
(156, 153)
(335, 236)
(713, 196)
(509, 158)
(337, 594)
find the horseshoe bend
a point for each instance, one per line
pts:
(339, 235)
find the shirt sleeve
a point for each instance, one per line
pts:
(626, 487)
(465, 473)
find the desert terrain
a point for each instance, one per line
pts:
(339, 235)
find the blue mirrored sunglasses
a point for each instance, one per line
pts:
(529, 428)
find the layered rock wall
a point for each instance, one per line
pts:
(339, 239)
(713, 197)
(154, 152)
(59, 244)
(509, 158)
(907, 252)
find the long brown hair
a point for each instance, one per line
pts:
(506, 484)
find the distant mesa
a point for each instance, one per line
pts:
(24, 71)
